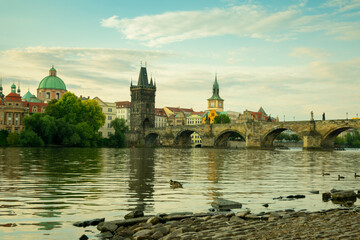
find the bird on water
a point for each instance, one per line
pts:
(325, 174)
(175, 184)
(356, 175)
(340, 177)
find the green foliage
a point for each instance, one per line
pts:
(29, 138)
(3, 136)
(222, 118)
(117, 139)
(68, 121)
(12, 139)
(351, 140)
(288, 137)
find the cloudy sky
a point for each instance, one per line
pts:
(289, 56)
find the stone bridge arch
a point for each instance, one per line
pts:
(183, 138)
(269, 136)
(328, 138)
(221, 140)
(152, 139)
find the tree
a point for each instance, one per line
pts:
(29, 138)
(222, 118)
(12, 138)
(3, 135)
(118, 139)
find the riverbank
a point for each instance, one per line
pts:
(330, 224)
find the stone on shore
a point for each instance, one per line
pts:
(343, 195)
(134, 214)
(87, 223)
(224, 204)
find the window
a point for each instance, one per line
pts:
(108, 125)
(109, 117)
(109, 133)
(16, 119)
(212, 104)
(57, 95)
(220, 104)
(48, 95)
(9, 119)
(109, 109)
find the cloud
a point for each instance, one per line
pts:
(282, 90)
(309, 53)
(252, 21)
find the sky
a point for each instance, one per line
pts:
(289, 56)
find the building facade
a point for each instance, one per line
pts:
(160, 118)
(12, 111)
(51, 87)
(109, 110)
(142, 113)
(123, 111)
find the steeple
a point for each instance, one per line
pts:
(143, 78)
(215, 95)
(1, 88)
(18, 90)
(52, 71)
(13, 88)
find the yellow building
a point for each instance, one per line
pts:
(209, 117)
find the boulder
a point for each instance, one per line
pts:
(315, 192)
(326, 196)
(134, 214)
(87, 223)
(223, 204)
(343, 195)
(107, 227)
(83, 237)
(143, 234)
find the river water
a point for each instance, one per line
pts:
(44, 191)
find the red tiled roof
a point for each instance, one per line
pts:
(174, 109)
(13, 97)
(160, 112)
(39, 106)
(123, 104)
(197, 113)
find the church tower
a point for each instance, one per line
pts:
(142, 110)
(216, 102)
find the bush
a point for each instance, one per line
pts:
(12, 138)
(29, 138)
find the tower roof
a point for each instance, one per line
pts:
(216, 95)
(143, 80)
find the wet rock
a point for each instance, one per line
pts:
(295, 196)
(104, 235)
(107, 226)
(341, 195)
(278, 198)
(236, 219)
(173, 234)
(315, 192)
(87, 223)
(224, 204)
(242, 214)
(130, 222)
(83, 237)
(266, 205)
(143, 234)
(334, 190)
(326, 196)
(153, 220)
(274, 216)
(134, 214)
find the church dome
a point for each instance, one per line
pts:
(52, 81)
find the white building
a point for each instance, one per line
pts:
(195, 118)
(123, 111)
(160, 118)
(109, 109)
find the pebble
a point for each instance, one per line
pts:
(333, 224)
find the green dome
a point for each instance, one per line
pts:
(52, 82)
(27, 96)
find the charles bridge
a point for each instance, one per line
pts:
(258, 135)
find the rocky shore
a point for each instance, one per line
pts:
(341, 223)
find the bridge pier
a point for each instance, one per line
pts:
(312, 141)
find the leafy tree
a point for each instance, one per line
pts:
(3, 136)
(29, 138)
(12, 138)
(118, 139)
(222, 118)
(43, 125)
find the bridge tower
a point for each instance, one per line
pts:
(142, 109)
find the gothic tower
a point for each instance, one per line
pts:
(142, 110)
(216, 102)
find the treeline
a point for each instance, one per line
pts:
(288, 137)
(69, 122)
(351, 140)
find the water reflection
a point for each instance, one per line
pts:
(43, 191)
(141, 179)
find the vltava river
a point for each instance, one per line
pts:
(43, 191)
